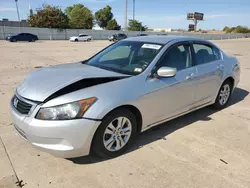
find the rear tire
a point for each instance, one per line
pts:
(113, 138)
(88, 40)
(224, 95)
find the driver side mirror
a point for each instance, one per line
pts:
(166, 72)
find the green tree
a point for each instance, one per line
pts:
(242, 29)
(103, 16)
(80, 17)
(113, 25)
(231, 30)
(225, 29)
(135, 25)
(49, 17)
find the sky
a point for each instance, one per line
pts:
(153, 13)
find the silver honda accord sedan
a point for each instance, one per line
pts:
(101, 104)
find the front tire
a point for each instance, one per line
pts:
(76, 40)
(224, 95)
(115, 134)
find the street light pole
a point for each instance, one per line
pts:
(30, 9)
(133, 9)
(17, 11)
(126, 15)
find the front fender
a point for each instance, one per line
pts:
(103, 112)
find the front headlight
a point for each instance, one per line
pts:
(66, 111)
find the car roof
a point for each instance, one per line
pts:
(25, 33)
(161, 39)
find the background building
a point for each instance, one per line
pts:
(162, 29)
(6, 22)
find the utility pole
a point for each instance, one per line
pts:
(133, 9)
(126, 15)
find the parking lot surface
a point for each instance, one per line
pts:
(204, 149)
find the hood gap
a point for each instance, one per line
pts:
(81, 84)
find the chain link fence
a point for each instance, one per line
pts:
(56, 34)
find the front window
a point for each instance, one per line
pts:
(177, 57)
(126, 57)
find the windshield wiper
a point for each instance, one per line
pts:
(102, 67)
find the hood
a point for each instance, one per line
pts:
(42, 83)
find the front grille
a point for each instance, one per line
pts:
(21, 106)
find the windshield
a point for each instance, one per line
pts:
(126, 57)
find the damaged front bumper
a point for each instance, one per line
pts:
(66, 139)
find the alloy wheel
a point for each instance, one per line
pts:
(117, 134)
(224, 94)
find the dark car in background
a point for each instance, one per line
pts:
(117, 37)
(22, 37)
(142, 34)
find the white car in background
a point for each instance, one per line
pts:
(81, 37)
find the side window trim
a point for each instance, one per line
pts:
(218, 51)
(193, 54)
(173, 45)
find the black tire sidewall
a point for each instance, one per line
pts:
(98, 145)
(217, 104)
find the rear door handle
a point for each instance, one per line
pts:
(220, 66)
(189, 76)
